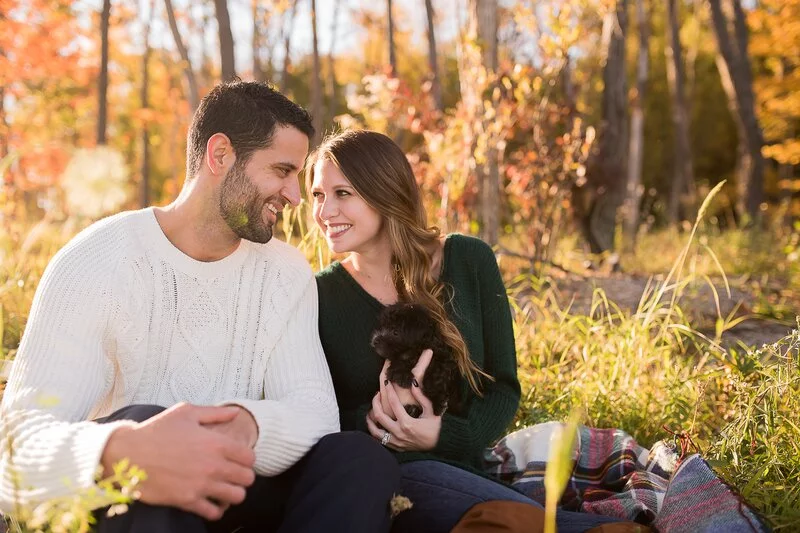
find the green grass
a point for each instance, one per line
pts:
(649, 368)
(626, 372)
(642, 371)
(758, 449)
(24, 254)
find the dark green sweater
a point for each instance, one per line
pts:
(479, 308)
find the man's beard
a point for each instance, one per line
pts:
(242, 208)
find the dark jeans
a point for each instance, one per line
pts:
(442, 493)
(344, 484)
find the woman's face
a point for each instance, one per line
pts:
(348, 222)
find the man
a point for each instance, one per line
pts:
(194, 308)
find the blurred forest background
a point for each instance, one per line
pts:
(578, 137)
(521, 118)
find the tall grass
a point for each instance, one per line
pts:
(740, 407)
(647, 369)
(24, 254)
(758, 450)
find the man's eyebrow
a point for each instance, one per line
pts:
(285, 165)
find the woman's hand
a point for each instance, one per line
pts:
(405, 395)
(400, 431)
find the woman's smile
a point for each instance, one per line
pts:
(337, 230)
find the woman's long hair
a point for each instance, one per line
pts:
(378, 170)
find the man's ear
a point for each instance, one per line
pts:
(219, 155)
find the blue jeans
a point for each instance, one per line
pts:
(441, 494)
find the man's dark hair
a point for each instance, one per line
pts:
(248, 112)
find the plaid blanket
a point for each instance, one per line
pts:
(615, 476)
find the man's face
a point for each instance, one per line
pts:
(252, 195)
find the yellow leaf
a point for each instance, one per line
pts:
(560, 463)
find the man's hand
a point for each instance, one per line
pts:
(243, 427)
(188, 464)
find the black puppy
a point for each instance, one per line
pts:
(403, 332)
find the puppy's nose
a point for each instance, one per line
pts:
(413, 410)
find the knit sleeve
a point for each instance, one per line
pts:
(463, 438)
(299, 405)
(60, 373)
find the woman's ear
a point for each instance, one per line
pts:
(219, 156)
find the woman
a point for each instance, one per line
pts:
(367, 203)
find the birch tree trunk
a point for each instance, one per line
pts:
(733, 64)
(683, 172)
(485, 13)
(633, 192)
(483, 25)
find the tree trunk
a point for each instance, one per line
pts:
(483, 24)
(4, 134)
(4, 130)
(485, 12)
(607, 166)
(287, 41)
(570, 92)
(733, 64)
(144, 183)
(691, 56)
(683, 172)
(225, 40)
(316, 81)
(191, 80)
(633, 193)
(332, 92)
(102, 82)
(392, 54)
(256, 43)
(433, 63)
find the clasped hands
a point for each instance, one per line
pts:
(388, 414)
(197, 458)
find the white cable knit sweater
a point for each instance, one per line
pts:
(123, 317)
